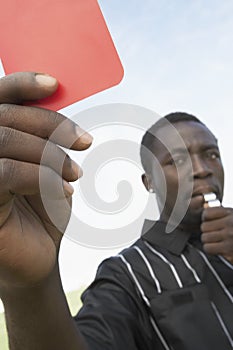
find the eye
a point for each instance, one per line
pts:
(177, 160)
(214, 154)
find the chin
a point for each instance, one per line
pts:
(193, 217)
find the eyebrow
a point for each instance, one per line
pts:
(203, 148)
(210, 147)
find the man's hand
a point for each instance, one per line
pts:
(29, 239)
(217, 232)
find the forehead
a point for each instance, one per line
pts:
(188, 135)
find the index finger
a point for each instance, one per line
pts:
(19, 87)
(214, 213)
(45, 124)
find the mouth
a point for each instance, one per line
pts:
(201, 191)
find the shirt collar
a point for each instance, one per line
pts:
(155, 234)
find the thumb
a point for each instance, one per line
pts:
(26, 86)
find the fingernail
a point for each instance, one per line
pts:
(68, 189)
(46, 80)
(83, 136)
(77, 171)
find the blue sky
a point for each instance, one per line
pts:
(177, 55)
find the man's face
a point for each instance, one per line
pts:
(188, 169)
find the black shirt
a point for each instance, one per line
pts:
(163, 292)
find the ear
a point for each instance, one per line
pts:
(147, 183)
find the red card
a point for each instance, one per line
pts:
(68, 39)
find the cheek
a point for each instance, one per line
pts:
(220, 176)
(219, 172)
(179, 185)
(167, 184)
(172, 183)
(168, 181)
(174, 176)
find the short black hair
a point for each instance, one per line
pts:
(149, 137)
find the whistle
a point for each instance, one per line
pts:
(210, 200)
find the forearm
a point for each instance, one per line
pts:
(39, 318)
(37, 314)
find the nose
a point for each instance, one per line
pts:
(201, 168)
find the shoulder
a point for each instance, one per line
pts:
(115, 267)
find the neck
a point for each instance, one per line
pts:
(194, 228)
(188, 225)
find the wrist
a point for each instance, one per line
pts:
(11, 294)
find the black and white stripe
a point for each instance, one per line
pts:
(162, 257)
(226, 291)
(195, 275)
(146, 300)
(148, 265)
(158, 284)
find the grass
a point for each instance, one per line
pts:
(3, 336)
(74, 302)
